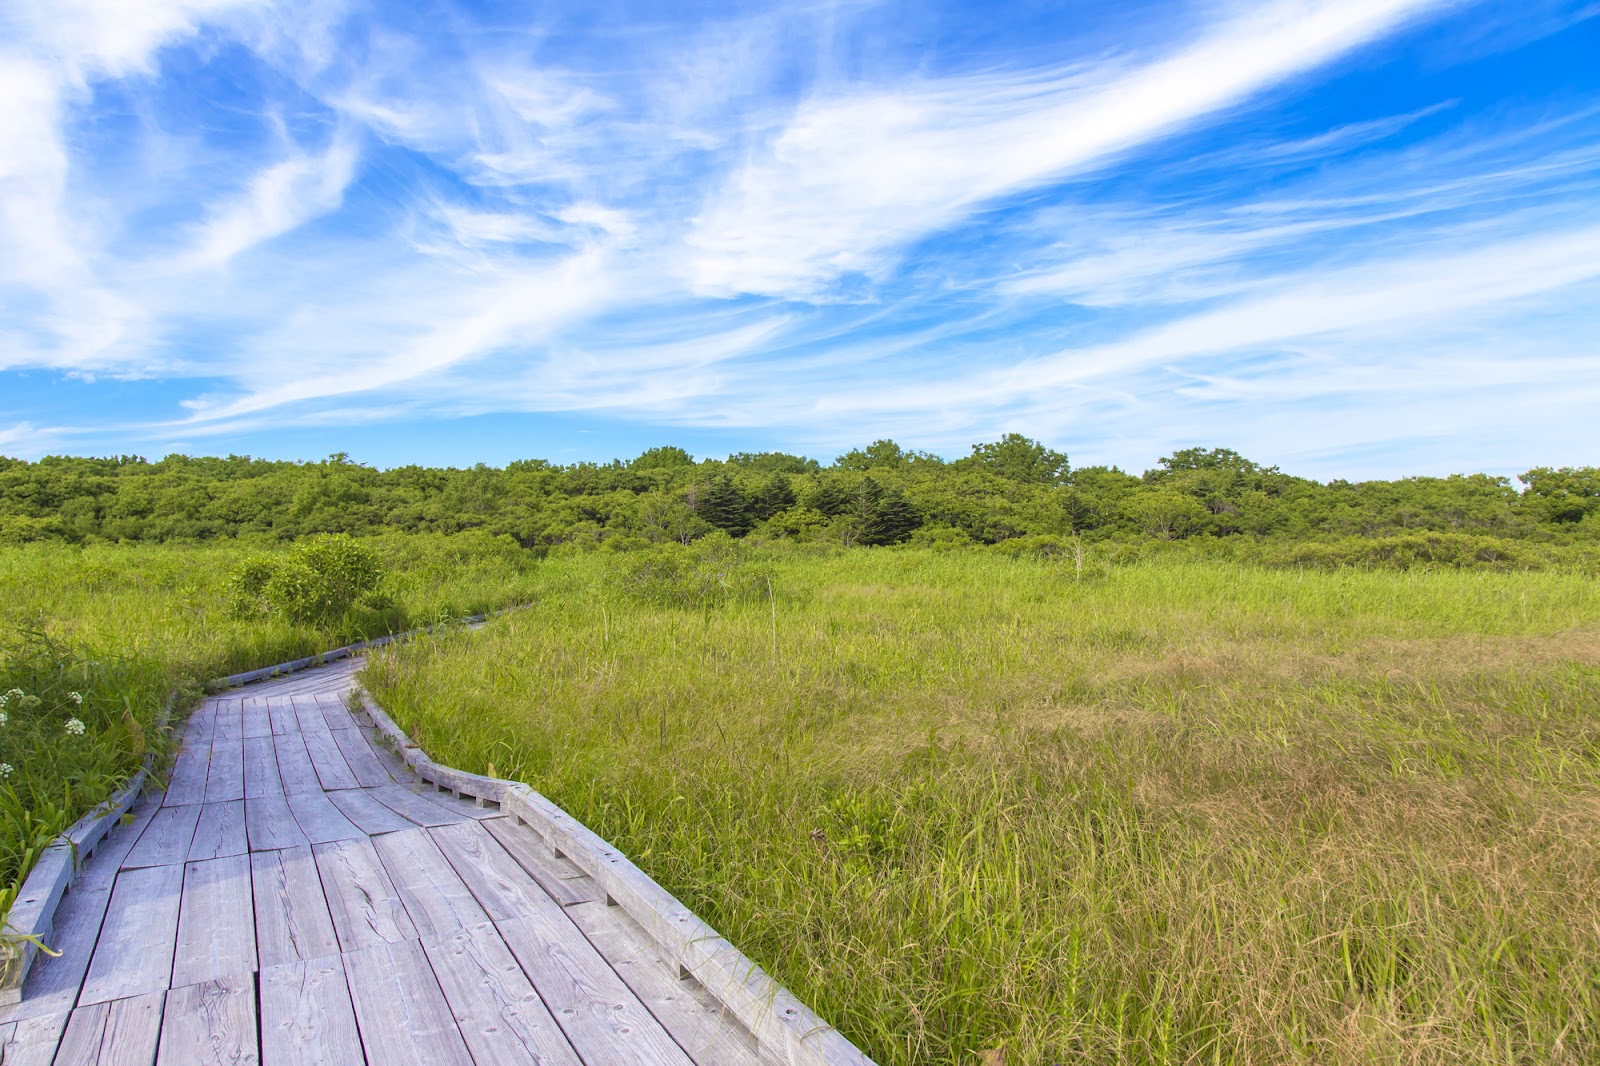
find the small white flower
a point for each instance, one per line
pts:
(4, 718)
(75, 698)
(10, 694)
(75, 727)
(5, 770)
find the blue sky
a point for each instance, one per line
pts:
(1354, 238)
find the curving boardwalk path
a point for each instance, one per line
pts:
(298, 896)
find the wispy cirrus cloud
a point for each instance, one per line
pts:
(812, 222)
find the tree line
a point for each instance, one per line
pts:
(881, 494)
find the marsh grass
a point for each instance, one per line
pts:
(1177, 812)
(126, 626)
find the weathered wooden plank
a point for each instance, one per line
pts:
(413, 807)
(270, 825)
(216, 927)
(211, 1024)
(320, 820)
(500, 1016)
(294, 765)
(332, 771)
(225, 776)
(309, 714)
(334, 712)
(201, 726)
(697, 1021)
(188, 781)
(166, 839)
(502, 887)
(261, 768)
(402, 1014)
(601, 1016)
(122, 1032)
(367, 813)
(435, 896)
(365, 905)
(306, 1015)
(280, 712)
(220, 831)
(54, 981)
(133, 954)
(31, 1041)
(257, 722)
(360, 757)
(292, 918)
(230, 724)
(562, 880)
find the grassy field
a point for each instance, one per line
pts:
(1174, 812)
(94, 640)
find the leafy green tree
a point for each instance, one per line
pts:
(666, 457)
(1020, 458)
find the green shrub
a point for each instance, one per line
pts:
(319, 579)
(713, 570)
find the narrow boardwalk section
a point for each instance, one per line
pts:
(297, 895)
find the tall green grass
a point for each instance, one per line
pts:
(124, 627)
(1180, 812)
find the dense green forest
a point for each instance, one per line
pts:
(1012, 491)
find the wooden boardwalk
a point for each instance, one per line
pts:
(298, 896)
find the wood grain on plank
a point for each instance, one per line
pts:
(216, 925)
(367, 813)
(122, 1032)
(306, 1015)
(220, 831)
(363, 761)
(225, 776)
(188, 781)
(500, 1015)
(294, 765)
(334, 712)
(261, 768)
(435, 896)
(229, 721)
(365, 906)
(211, 1024)
(309, 714)
(699, 1023)
(292, 918)
(166, 839)
(403, 1016)
(257, 722)
(561, 878)
(133, 954)
(600, 1015)
(328, 760)
(32, 1041)
(320, 820)
(201, 725)
(270, 825)
(413, 807)
(502, 886)
(280, 712)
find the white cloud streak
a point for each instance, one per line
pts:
(856, 176)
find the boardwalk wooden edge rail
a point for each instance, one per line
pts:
(783, 1026)
(31, 919)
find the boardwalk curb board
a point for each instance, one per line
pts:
(31, 919)
(785, 1029)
